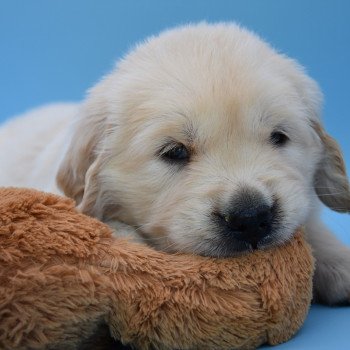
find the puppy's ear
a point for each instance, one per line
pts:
(331, 182)
(78, 173)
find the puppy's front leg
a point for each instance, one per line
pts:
(332, 274)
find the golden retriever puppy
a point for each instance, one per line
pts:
(203, 140)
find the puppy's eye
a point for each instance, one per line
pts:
(175, 153)
(278, 138)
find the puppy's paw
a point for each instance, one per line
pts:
(332, 279)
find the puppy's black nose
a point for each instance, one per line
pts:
(250, 217)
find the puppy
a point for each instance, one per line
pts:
(203, 140)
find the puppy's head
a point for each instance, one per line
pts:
(207, 141)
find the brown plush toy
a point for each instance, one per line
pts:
(66, 283)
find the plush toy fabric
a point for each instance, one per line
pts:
(66, 283)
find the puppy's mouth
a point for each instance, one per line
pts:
(226, 245)
(222, 244)
(226, 236)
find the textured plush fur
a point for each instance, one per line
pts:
(66, 283)
(221, 91)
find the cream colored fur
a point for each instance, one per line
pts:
(219, 90)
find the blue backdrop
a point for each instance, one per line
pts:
(55, 50)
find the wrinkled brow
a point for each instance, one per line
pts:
(164, 128)
(189, 131)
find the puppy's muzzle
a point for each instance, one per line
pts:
(249, 218)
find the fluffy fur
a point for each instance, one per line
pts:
(221, 91)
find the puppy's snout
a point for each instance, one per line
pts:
(252, 224)
(249, 217)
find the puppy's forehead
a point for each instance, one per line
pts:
(204, 74)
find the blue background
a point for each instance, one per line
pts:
(55, 50)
